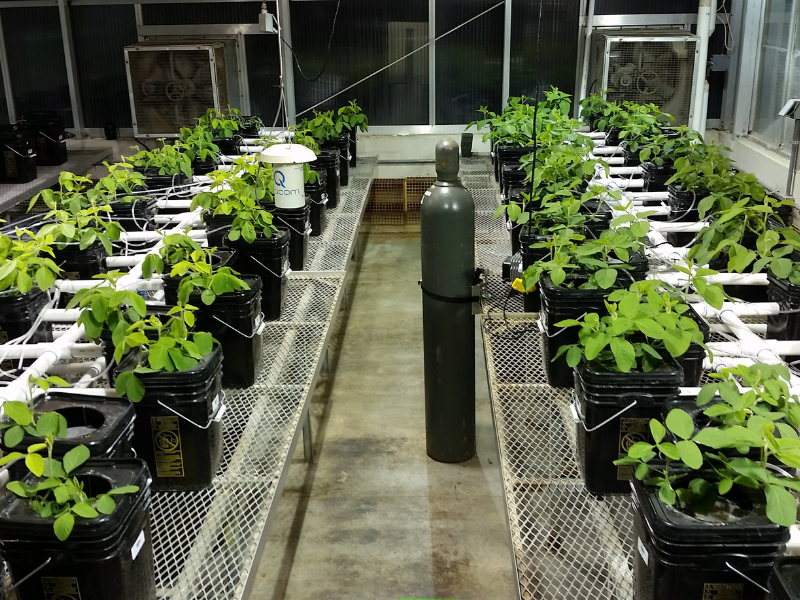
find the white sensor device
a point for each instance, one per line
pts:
(287, 167)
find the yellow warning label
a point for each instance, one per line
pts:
(630, 432)
(723, 591)
(61, 588)
(167, 446)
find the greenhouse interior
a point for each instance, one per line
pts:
(421, 300)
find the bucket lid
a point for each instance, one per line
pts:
(18, 521)
(668, 374)
(228, 300)
(785, 579)
(198, 374)
(670, 524)
(278, 238)
(96, 422)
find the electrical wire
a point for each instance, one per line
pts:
(726, 24)
(327, 51)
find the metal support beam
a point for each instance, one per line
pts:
(72, 67)
(432, 62)
(287, 62)
(507, 53)
(137, 11)
(748, 65)
(9, 92)
(244, 79)
(308, 441)
(737, 11)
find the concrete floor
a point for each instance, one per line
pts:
(373, 517)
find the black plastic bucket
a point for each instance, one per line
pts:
(230, 146)
(600, 216)
(342, 143)
(656, 177)
(18, 312)
(51, 137)
(81, 264)
(18, 145)
(784, 582)
(532, 301)
(680, 556)
(234, 320)
(269, 259)
(612, 137)
(178, 429)
(466, 144)
(318, 195)
(353, 148)
(110, 556)
(505, 154)
(162, 183)
(682, 209)
(631, 158)
(203, 167)
(217, 227)
(613, 412)
(298, 222)
(692, 360)
(560, 303)
(136, 215)
(511, 175)
(784, 326)
(103, 425)
(328, 160)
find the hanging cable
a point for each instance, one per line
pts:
(327, 51)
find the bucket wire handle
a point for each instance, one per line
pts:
(259, 321)
(308, 228)
(31, 574)
(746, 578)
(43, 134)
(286, 272)
(212, 419)
(562, 329)
(611, 418)
(18, 154)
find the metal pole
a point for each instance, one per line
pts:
(507, 54)
(432, 62)
(793, 159)
(12, 111)
(287, 63)
(72, 68)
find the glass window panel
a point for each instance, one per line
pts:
(368, 36)
(469, 61)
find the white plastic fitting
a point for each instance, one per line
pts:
(287, 166)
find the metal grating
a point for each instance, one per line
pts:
(206, 543)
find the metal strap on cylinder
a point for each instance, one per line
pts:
(215, 418)
(286, 272)
(448, 299)
(579, 418)
(259, 322)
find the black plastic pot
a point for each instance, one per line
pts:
(178, 429)
(601, 216)
(614, 412)
(217, 227)
(230, 146)
(505, 154)
(680, 556)
(81, 264)
(233, 319)
(156, 182)
(692, 360)
(560, 303)
(466, 144)
(748, 293)
(328, 160)
(136, 215)
(612, 137)
(784, 326)
(107, 557)
(297, 222)
(51, 137)
(18, 312)
(656, 177)
(511, 175)
(631, 158)
(532, 301)
(353, 148)
(784, 581)
(342, 143)
(103, 425)
(682, 209)
(203, 167)
(269, 259)
(249, 129)
(318, 195)
(18, 146)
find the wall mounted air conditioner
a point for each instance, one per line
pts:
(646, 66)
(171, 84)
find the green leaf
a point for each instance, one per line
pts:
(208, 297)
(105, 504)
(134, 389)
(749, 468)
(666, 494)
(63, 526)
(204, 342)
(18, 412)
(11, 456)
(639, 449)
(18, 488)
(725, 486)
(595, 344)
(48, 424)
(624, 354)
(84, 510)
(680, 423)
(125, 489)
(690, 454)
(650, 328)
(657, 430)
(706, 393)
(605, 278)
(781, 505)
(629, 306)
(13, 436)
(75, 458)
(669, 450)
(35, 464)
(714, 437)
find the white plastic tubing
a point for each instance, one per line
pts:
(49, 354)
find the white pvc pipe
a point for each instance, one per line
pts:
(674, 226)
(174, 204)
(756, 309)
(76, 350)
(706, 20)
(607, 150)
(781, 347)
(152, 236)
(596, 135)
(69, 368)
(760, 328)
(615, 160)
(641, 196)
(75, 285)
(680, 279)
(664, 249)
(624, 170)
(61, 315)
(115, 262)
(94, 371)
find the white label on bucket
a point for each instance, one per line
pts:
(137, 545)
(642, 551)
